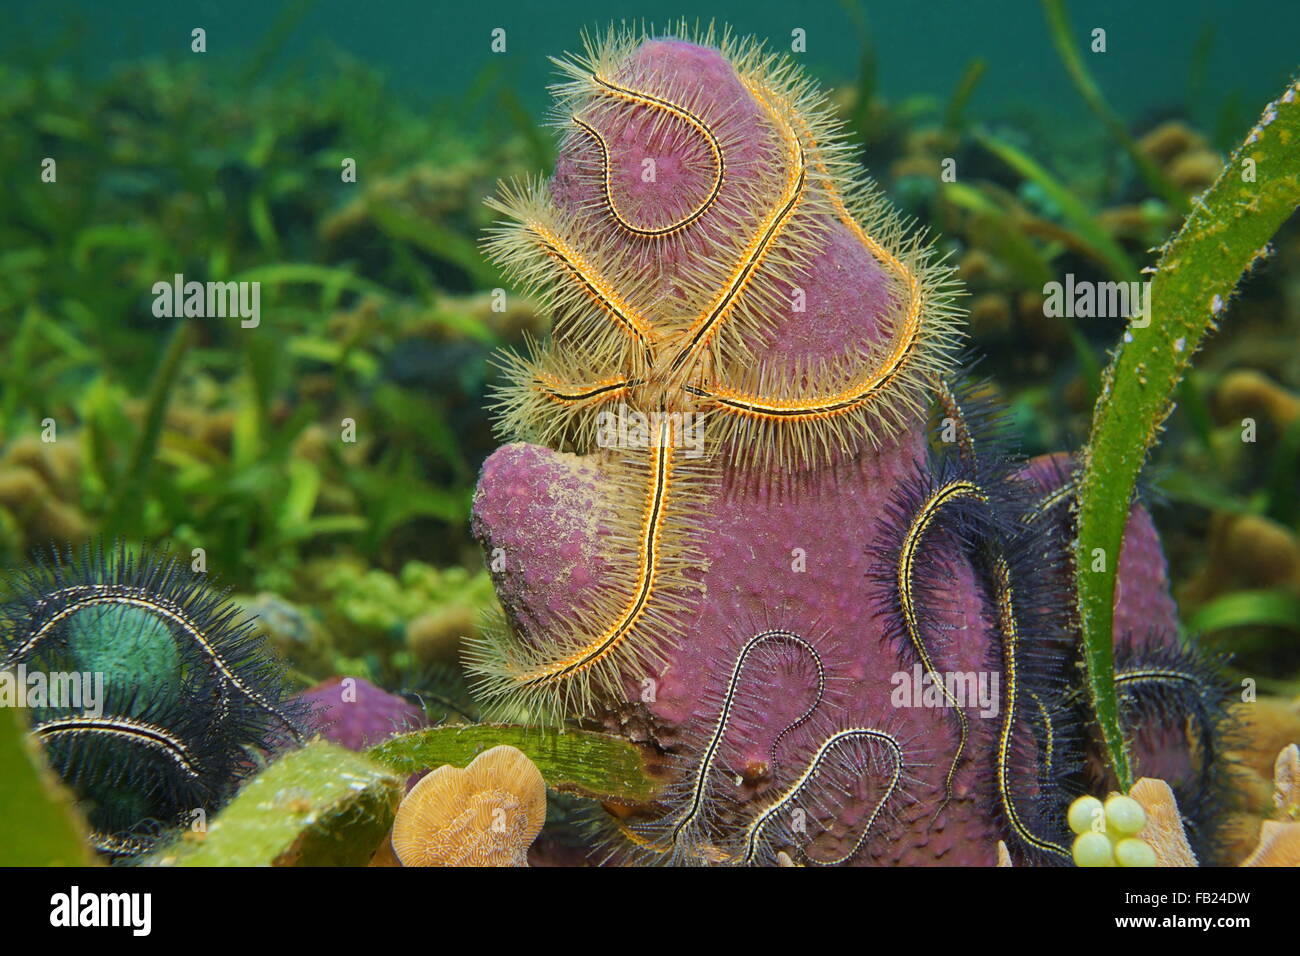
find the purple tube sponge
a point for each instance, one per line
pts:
(724, 529)
(355, 713)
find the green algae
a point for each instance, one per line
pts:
(1199, 269)
(1248, 609)
(39, 821)
(588, 764)
(319, 806)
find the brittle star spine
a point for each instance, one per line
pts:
(137, 731)
(647, 570)
(1011, 679)
(704, 769)
(648, 99)
(925, 517)
(95, 595)
(756, 828)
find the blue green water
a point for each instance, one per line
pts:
(1162, 55)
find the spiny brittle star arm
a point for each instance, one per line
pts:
(1009, 629)
(145, 734)
(649, 100)
(594, 285)
(85, 596)
(906, 583)
(873, 381)
(754, 832)
(706, 324)
(609, 640)
(695, 802)
(575, 393)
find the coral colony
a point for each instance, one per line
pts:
(848, 620)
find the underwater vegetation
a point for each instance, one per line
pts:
(818, 538)
(227, 439)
